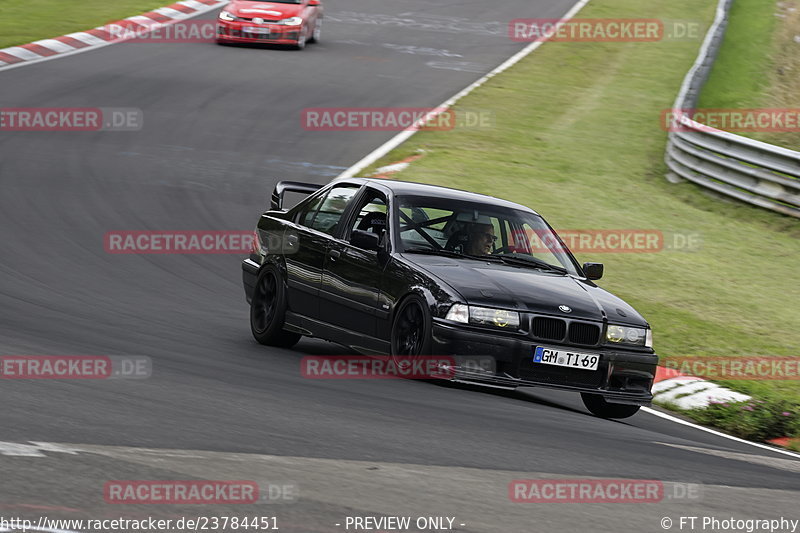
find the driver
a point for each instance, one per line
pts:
(481, 239)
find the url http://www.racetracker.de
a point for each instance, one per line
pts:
(149, 524)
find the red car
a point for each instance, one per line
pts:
(292, 22)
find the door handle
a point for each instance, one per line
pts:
(335, 254)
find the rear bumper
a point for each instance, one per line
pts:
(621, 377)
(249, 275)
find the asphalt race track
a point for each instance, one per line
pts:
(221, 126)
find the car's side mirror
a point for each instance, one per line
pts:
(314, 2)
(365, 240)
(593, 270)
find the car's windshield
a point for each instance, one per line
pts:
(469, 229)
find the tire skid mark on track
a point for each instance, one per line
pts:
(400, 138)
(404, 48)
(772, 462)
(421, 22)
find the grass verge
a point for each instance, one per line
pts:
(23, 21)
(577, 137)
(759, 63)
(758, 420)
(768, 417)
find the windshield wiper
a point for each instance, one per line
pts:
(517, 260)
(431, 251)
(449, 253)
(528, 260)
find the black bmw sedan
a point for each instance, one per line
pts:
(406, 269)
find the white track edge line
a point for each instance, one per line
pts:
(400, 138)
(719, 433)
(107, 43)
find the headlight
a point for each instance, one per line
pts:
(458, 313)
(224, 15)
(483, 316)
(628, 335)
(292, 21)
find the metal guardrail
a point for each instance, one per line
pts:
(752, 171)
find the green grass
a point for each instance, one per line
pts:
(758, 63)
(23, 21)
(578, 138)
(739, 76)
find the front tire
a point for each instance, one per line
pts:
(317, 34)
(268, 311)
(301, 40)
(411, 332)
(598, 406)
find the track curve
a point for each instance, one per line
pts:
(222, 124)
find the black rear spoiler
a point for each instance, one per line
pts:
(290, 186)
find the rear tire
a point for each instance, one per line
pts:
(598, 406)
(268, 311)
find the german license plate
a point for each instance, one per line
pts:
(569, 359)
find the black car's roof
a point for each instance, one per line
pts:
(426, 189)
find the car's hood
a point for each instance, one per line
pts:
(527, 289)
(265, 10)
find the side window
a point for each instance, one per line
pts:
(425, 227)
(305, 216)
(371, 214)
(330, 211)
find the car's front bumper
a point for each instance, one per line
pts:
(621, 377)
(247, 32)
